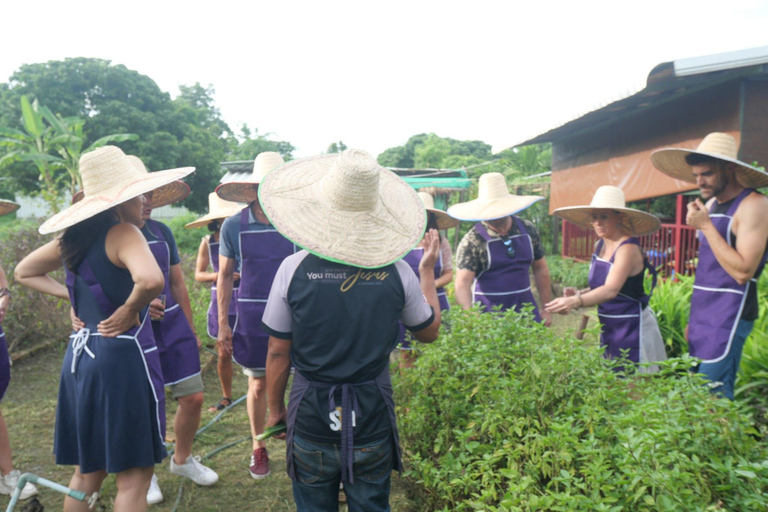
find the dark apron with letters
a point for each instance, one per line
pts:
(142, 334)
(621, 316)
(718, 300)
(506, 281)
(348, 405)
(213, 307)
(413, 259)
(175, 340)
(261, 253)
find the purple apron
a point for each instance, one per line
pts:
(348, 405)
(261, 253)
(175, 340)
(506, 281)
(413, 259)
(213, 307)
(620, 317)
(142, 334)
(5, 365)
(718, 300)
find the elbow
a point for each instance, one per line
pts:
(743, 279)
(154, 283)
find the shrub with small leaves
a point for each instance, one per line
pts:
(502, 414)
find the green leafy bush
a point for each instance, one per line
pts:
(187, 240)
(752, 383)
(567, 272)
(32, 318)
(502, 414)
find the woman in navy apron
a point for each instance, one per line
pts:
(439, 221)
(208, 254)
(112, 277)
(9, 477)
(616, 277)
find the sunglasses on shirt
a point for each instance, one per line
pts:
(510, 248)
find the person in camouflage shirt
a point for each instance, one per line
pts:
(495, 257)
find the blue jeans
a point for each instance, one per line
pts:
(723, 373)
(318, 474)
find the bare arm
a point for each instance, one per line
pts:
(5, 300)
(33, 270)
(445, 278)
(750, 228)
(224, 284)
(628, 261)
(278, 370)
(181, 296)
(463, 288)
(543, 286)
(427, 282)
(201, 265)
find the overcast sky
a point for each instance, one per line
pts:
(373, 74)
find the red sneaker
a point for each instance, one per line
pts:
(259, 463)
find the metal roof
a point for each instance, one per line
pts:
(666, 82)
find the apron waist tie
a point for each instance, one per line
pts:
(80, 344)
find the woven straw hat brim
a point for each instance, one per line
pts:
(206, 219)
(162, 196)
(7, 207)
(484, 209)
(634, 223)
(93, 205)
(239, 191)
(671, 161)
(444, 221)
(294, 202)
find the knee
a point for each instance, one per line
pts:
(257, 387)
(193, 401)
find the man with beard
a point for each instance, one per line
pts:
(733, 238)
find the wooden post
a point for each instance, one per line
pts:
(679, 223)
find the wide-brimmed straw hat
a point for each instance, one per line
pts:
(247, 191)
(167, 194)
(671, 161)
(109, 178)
(493, 201)
(344, 208)
(633, 222)
(8, 206)
(444, 221)
(217, 209)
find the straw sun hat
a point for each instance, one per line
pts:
(109, 179)
(493, 201)
(246, 191)
(671, 161)
(444, 221)
(217, 209)
(8, 207)
(344, 208)
(167, 194)
(633, 222)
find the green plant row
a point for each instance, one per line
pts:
(502, 414)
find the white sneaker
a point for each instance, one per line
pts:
(195, 471)
(9, 482)
(154, 494)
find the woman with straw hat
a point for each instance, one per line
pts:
(9, 477)
(250, 243)
(208, 253)
(333, 313)
(616, 278)
(112, 277)
(496, 256)
(437, 220)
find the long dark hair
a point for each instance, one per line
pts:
(432, 224)
(79, 238)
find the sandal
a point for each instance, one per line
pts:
(223, 404)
